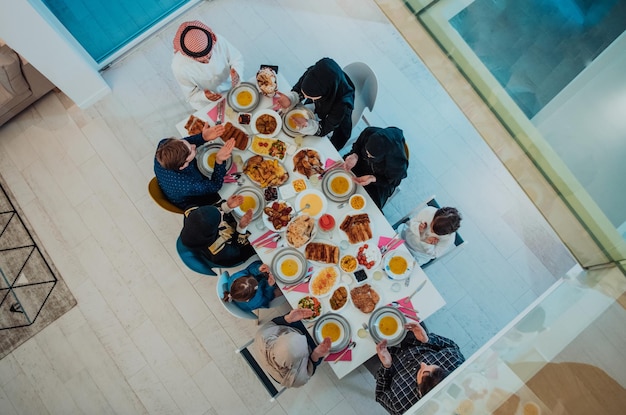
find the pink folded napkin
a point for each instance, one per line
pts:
(276, 103)
(213, 113)
(346, 357)
(233, 169)
(406, 302)
(329, 162)
(383, 240)
(262, 237)
(303, 287)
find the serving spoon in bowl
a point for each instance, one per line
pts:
(304, 208)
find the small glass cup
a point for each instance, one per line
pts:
(314, 180)
(378, 275)
(298, 140)
(344, 244)
(362, 333)
(259, 224)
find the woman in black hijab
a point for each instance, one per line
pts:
(214, 233)
(327, 86)
(379, 161)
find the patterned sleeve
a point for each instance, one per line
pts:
(384, 394)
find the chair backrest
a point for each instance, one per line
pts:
(366, 88)
(194, 261)
(406, 151)
(431, 201)
(160, 199)
(220, 287)
(269, 384)
(458, 240)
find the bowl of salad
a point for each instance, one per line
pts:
(311, 303)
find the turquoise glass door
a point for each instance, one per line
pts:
(103, 27)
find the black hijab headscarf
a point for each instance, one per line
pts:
(326, 79)
(200, 228)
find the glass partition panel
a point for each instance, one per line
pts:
(552, 72)
(564, 355)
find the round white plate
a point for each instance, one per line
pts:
(286, 254)
(344, 285)
(322, 274)
(266, 219)
(301, 110)
(313, 233)
(338, 174)
(387, 313)
(231, 98)
(202, 158)
(345, 333)
(309, 196)
(320, 156)
(372, 254)
(257, 195)
(274, 114)
(321, 307)
(409, 264)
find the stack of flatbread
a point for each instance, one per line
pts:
(321, 252)
(194, 125)
(299, 230)
(357, 227)
(266, 78)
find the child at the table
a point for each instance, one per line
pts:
(252, 288)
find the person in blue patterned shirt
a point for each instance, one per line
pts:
(177, 172)
(413, 368)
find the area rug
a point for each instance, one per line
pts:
(32, 293)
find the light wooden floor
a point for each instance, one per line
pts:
(148, 335)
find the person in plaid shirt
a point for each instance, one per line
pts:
(413, 368)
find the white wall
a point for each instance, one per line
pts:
(25, 30)
(586, 126)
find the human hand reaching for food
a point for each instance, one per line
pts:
(322, 350)
(212, 96)
(246, 219)
(364, 180)
(383, 354)
(283, 100)
(224, 153)
(350, 161)
(234, 77)
(211, 133)
(298, 314)
(418, 331)
(234, 200)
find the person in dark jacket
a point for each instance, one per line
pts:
(328, 87)
(379, 160)
(212, 231)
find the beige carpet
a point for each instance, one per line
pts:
(32, 293)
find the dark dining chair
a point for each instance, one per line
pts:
(271, 386)
(431, 201)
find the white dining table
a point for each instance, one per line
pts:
(427, 300)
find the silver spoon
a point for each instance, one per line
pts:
(304, 208)
(341, 205)
(399, 307)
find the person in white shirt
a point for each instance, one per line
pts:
(205, 65)
(431, 232)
